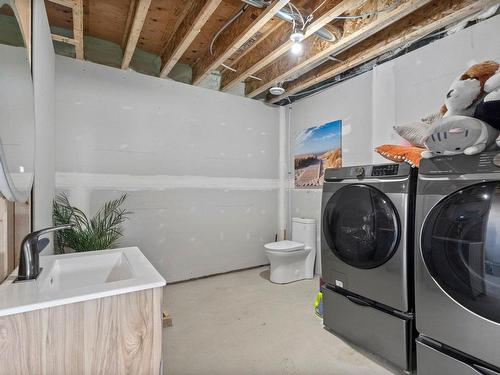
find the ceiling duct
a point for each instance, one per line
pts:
(287, 15)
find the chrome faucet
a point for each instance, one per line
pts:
(29, 261)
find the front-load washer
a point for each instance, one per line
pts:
(457, 264)
(367, 258)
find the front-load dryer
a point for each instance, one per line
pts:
(457, 291)
(367, 258)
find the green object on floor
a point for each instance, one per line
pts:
(318, 305)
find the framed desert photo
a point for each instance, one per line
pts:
(316, 149)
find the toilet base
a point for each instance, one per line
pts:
(292, 266)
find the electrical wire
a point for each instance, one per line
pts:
(229, 22)
(311, 16)
(370, 14)
(366, 67)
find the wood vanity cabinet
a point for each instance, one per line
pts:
(115, 335)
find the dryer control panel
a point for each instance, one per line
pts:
(486, 162)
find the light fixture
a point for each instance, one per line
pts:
(296, 48)
(297, 37)
(277, 90)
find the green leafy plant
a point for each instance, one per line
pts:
(100, 232)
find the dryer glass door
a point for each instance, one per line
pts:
(361, 226)
(461, 247)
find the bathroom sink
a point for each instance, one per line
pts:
(78, 277)
(75, 272)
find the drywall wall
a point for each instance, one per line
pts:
(200, 167)
(44, 96)
(414, 85)
(401, 90)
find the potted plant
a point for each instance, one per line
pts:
(100, 232)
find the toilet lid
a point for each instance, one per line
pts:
(284, 246)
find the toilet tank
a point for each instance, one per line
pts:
(304, 231)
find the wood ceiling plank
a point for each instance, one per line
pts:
(234, 37)
(432, 17)
(139, 18)
(198, 14)
(314, 52)
(65, 3)
(78, 28)
(279, 42)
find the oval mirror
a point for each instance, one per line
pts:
(17, 120)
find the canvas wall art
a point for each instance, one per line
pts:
(316, 149)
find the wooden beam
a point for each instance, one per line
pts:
(317, 50)
(23, 12)
(198, 14)
(78, 28)
(432, 17)
(242, 54)
(63, 39)
(128, 23)
(234, 37)
(77, 12)
(278, 43)
(141, 12)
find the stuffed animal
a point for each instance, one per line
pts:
(458, 134)
(468, 89)
(397, 153)
(488, 110)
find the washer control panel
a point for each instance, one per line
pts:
(365, 172)
(385, 170)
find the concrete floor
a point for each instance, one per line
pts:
(241, 323)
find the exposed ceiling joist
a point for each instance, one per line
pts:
(78, 28)
(432, 17)
(234, 37)
(128, 23)
(317, 50)
(198, 14)
(63, 39)
(77, 14)
(135, 31)
(278, 43)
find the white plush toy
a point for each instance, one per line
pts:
(488, 109)
(467, 91)
(458, 135)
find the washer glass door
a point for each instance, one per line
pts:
(461, 247)
(361, 226)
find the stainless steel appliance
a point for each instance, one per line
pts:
(367, 258)
(458, 265)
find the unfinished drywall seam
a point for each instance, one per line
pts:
(122, 182)
(283, 168)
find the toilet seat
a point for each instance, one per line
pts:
(284, 246)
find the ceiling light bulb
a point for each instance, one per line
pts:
(296, 48)
(297, 35)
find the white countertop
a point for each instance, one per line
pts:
(78, 277)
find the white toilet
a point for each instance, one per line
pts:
(294, 260)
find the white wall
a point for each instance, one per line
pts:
(414, 85)
(200, 167)
(44, 88)
(401, 90)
